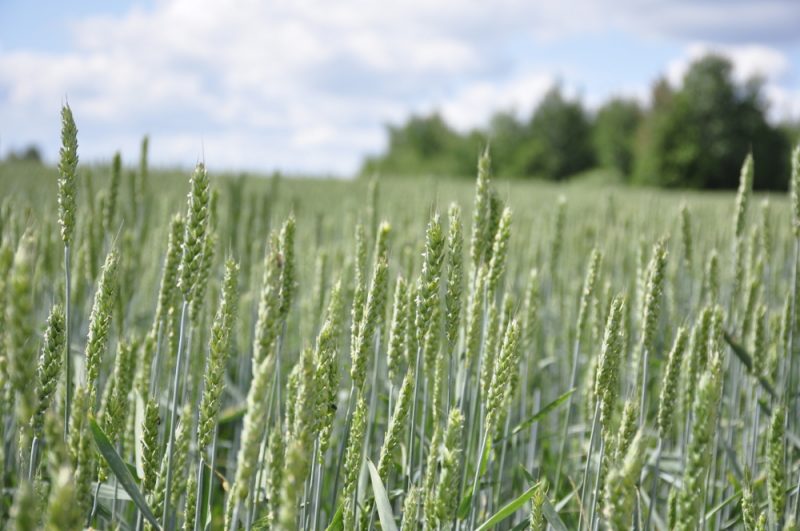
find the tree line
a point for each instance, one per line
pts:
(693, 135)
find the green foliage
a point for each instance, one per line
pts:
(559, 143)
(614, 134)
(426, 144)
(692, 135)
(698, 134)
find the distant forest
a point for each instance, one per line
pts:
(695, 135)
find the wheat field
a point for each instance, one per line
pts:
(180, 350)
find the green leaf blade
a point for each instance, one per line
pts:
(508, 509)
(381, 500)
(120, 470)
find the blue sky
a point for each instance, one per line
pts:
(307, 86)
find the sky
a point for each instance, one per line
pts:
(308, 87)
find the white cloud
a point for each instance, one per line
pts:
(262, 78)
(307, 86)
(749, 60)
(728, 21)
(785, 103)
(474, 104)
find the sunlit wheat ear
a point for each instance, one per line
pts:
(195, 232)
(300, 448)
(669, 384)
(686, 235)
(712, 278)
(509, 309)
(743, 196)
(397, 423)
(557, 241)
(292, 387)
(181, 455)
(606, 386)
(429, 512)
(100, 323)
(150, 449)
(620, 487)
(776, 465)
(451, 467)
(110, 211)
(651, 311)
(267, 320)
(496, 207)
(410, 509)
(320, 286)
(372, 204)
(373, 310)
(158, 498)
(169, 276)
(327, 368)
(698, 356)
(705, 409)
(144, 149)
(67, 169)
(204, 271)
(276, 451)
(480, 212)
(794, 186)
(359, 284)
(531, 312)
(252, 430)
(784, 331)
(191, 499)
(114, 409)
(397, 329)
(288, 274)
(652, 294)
(21, 351)
(429, 279)
(536, 520)
(219, 350)
(506, 363)
(411, 331)
(144, 366)
(589, 284)
(767, 228)
(715, 336)
(455, 276)
(82, 450)
(627, 428)
(6, 261)
(50, 361)
(352, 460)
(475, 318)
(434, 358)
(759, 343)
(749, 508)
(497, 264)
(490, 349)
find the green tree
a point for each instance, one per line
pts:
(614, 134)
(507, 135)
(559, 139)
(30, 153)
(699, 134)
(426, 144)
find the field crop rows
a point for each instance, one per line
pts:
(242, 353)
